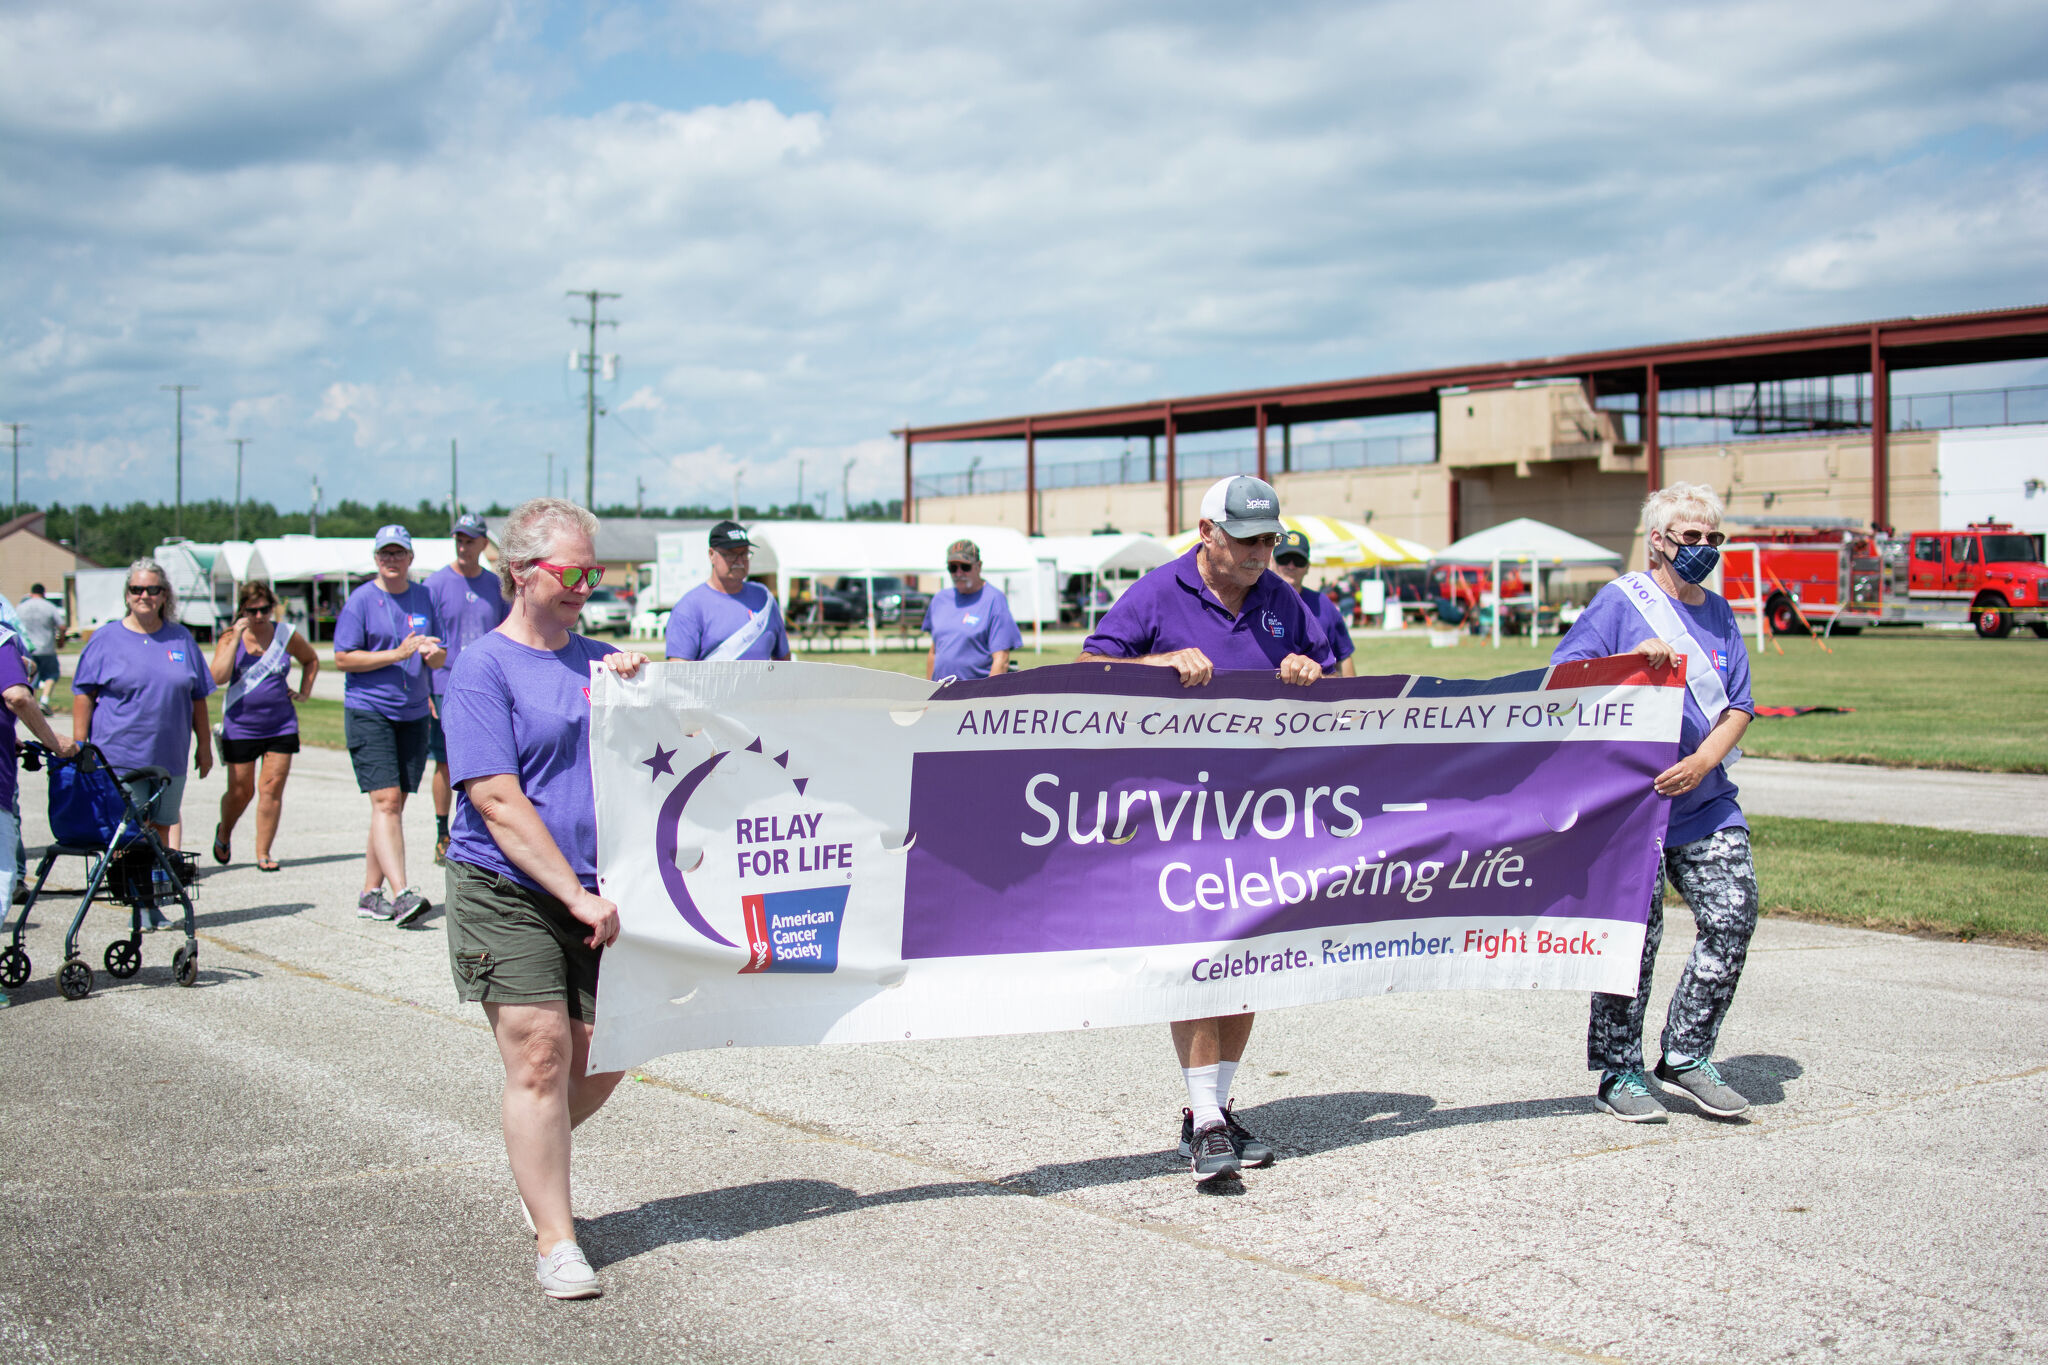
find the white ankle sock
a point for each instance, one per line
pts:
(1226, 1072)
(1201, 1083)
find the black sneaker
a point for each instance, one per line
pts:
(1252, 1151)
(1212, 1155)
(409, 906)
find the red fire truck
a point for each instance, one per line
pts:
(1840, 577)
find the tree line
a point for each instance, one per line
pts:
(114, 535)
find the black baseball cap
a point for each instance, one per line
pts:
(1293, 545)
(730, 534)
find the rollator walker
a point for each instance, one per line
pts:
(98, 815)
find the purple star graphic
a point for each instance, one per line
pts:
(659, 763)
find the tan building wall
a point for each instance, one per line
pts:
(1541, 452)
(28, 557)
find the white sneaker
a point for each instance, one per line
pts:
(564, 1274)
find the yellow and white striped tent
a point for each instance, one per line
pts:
(1334, 543)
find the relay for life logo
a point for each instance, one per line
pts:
(792, 877)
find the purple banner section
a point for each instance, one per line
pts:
(1047, 850)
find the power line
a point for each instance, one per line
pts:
(178, 518)
(589, 362)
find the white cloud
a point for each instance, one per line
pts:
(370, 219)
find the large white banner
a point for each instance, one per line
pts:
(807, 853)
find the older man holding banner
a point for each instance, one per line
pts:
(1215, 608)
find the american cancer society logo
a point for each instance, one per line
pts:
(794, 931)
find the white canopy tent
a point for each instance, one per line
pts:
(1113, 562)
(188, 567)
(1525, 541)
(821, 551)
(316, 573)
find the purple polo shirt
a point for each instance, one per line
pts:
(376, 620)
(967, 631)
(1612, 625)
(12, 674)
(142, 689)
(468, 608)
(1171, 608)
(1332, 621)
(511, 708)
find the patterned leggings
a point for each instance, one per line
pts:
(1718, 880)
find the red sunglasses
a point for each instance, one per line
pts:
(573, 575)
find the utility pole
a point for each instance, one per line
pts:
(846, 492)
(239, 441)
(799, 483)
(14, 507)
(454, 503)
(590, 364)
(178, 517)
(313, 519)
(639, 496)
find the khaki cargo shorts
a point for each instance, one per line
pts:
(509, 944)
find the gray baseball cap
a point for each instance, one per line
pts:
(470, 524)
(1243, 506)
(393, 534)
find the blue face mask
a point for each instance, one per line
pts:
(1694, 562)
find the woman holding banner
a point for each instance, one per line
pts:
(526, 926)
(259, 722)
(1661, 615)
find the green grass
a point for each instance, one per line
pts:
(1904, 878)
(1922, 699)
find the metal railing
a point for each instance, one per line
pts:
(1193, 465)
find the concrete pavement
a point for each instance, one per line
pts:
(299, 1159)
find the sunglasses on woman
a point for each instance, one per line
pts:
(573, 575)
(1714, 538)
(145, 590)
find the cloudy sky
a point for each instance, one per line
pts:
(352, 223)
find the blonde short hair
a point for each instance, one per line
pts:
(525, 536)
(1680, 501)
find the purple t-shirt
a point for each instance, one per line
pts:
(142, 689)
(265, 711)
(511, 708)
(1612, 625)
(374, 619)
(1170, 608)
(967, 631)
(468, 609)
(706, 618)
(1332, 621)
(13, 673)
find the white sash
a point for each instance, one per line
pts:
(1702, 679)
(274, 660)
(742, 639)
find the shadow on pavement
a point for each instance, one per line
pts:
(1303, 1125)
(44, 987)
(221, 919)
(1761, 1077)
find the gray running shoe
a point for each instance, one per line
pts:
(1214, 1156)
(409, 906)
(372, 905)
(1702, 1084)
(1251, 1150)
(1628, 1098)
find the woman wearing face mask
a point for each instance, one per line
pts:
(1661, 614)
